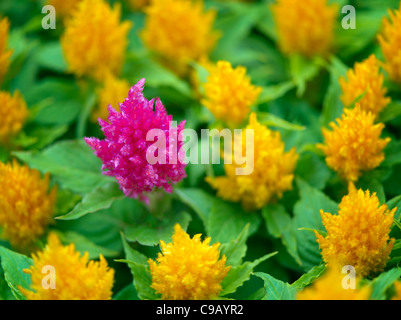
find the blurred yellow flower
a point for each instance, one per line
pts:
(273, 168)
(359, 234)
(64, 8)
(354, 145)
(229, 93)
(26, 204)
(4, 53)
(305, 27)
(390, 42)
(138, 4)
(13, 114)
(329, 286)
(75, 276)
(95, 41)
(397, 287)
(112, 92)
(180, 31)
(188, 269)
(365, 79)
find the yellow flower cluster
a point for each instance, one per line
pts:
(273, 168)
(354, 145)
(330, 287)
(183, 35)
(75, 277)
(94, 41)
(359, 234)
(13, 114)
(26, 204)
(4, 53)
(390, 42)
(305, 27)
(112, 92)
(365, 80)
(188, 269)
(64, 8)
(229, 93)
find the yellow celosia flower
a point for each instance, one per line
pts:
(4, 53)
(112, 93)
(359, 234)
(95, 41)
(273, 168)
(229, 93)
(188, 269)
(13, 113)
(63, 8)
(305, 27)
(330, 287)
(390, 42)
(26, 204)
(354, 145)
(75, 276)
(138, 4)
(180, 31)
(365, 79)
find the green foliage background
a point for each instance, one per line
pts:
(272, 251)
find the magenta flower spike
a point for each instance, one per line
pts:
(124, 149)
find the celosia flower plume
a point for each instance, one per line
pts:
(390, 42)
(112, 92)
(4, 53)
(13, 114)
(273, 169)
(76, 277)
(180, 31)
(125, 147)
(354, 145)
(365, 80)
(329, 286)
(359, 234)
(95, 41)
(305, 27)
(64, 8)
(26, 204)
(229, 93)
(188, 269)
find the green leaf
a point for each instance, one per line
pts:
(139, 266)
(100, 198)
(13, 264)
(307, 216)
(274, 92)
(127, 293)
(380, 284)
(235, 250)
(280, 225)
(50, 56)
(68, 162)
(198, 200)
(83, 244)
(239, 274)
(227, 220)
(332, 105)
(302, 70)
(156, 75)
(271, 120)
(307, 278)
(276, 289)
(313, 169)
(151, 230)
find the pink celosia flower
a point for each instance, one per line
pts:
(124, 150)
